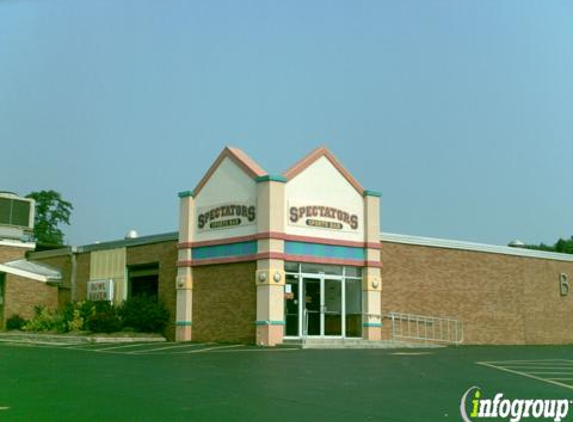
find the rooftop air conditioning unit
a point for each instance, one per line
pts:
(16, 214)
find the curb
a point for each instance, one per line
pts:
(72, 340)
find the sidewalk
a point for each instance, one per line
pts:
(74, 339)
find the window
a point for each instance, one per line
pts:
(143, 280)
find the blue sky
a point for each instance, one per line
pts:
(459, 112)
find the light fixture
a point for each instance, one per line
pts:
(277, 277)
(262, 276)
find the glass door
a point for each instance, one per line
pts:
(323, 301)
(292, 305)
(332, 307)
(323, 307)
(313, 307)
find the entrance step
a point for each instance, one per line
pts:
(322, 343)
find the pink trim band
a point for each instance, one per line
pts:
(271, 255)
(374, 264)
(237, 239)
(213, 261)
(281, 256)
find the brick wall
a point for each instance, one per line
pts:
(224, 303)
(11, 253)
(501, 299)
(164, 253)
(64, 264)
(548, 316)
(23, 294)
(82, 276)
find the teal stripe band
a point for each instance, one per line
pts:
(324, 251)
(269, 323)
(183, 323)
(224, 251)
(271, 178)
(185, 194)
(372, 193)
(372, 324)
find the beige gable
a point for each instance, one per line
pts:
(336, 207)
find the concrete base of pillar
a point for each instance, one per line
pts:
(372, 333)
(270, 335)
(183, 333)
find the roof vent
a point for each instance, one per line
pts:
(132, 234)
(516, 244)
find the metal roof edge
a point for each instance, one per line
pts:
(112, 244)
(38, 269)
(52, 253)
(17, 244)
(22, 273)
(137, 241)
(472, 246)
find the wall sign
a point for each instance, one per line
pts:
(322, 217)
(99, 290)
(226, 216)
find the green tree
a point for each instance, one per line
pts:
(51, 211)
(562, 246)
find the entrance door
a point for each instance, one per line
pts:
(313, 306)
(332, 308)
(322, 306)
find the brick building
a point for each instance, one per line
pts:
(260, 258)
(24, 284)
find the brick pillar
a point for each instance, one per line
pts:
(372, 284)
(184, 282)
(270, 276)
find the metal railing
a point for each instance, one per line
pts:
(426, 328)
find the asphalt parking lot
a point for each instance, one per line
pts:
(229, 382)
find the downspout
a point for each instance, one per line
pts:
(73, 252)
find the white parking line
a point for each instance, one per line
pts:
(290, 349)
(123, 346)
(208, 349)
(549, 373)
(177, 346)
(89, 346)
(530, 361)
(540, 367)
(499, 366)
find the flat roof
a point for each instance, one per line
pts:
(472, 246)
(113, 244)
